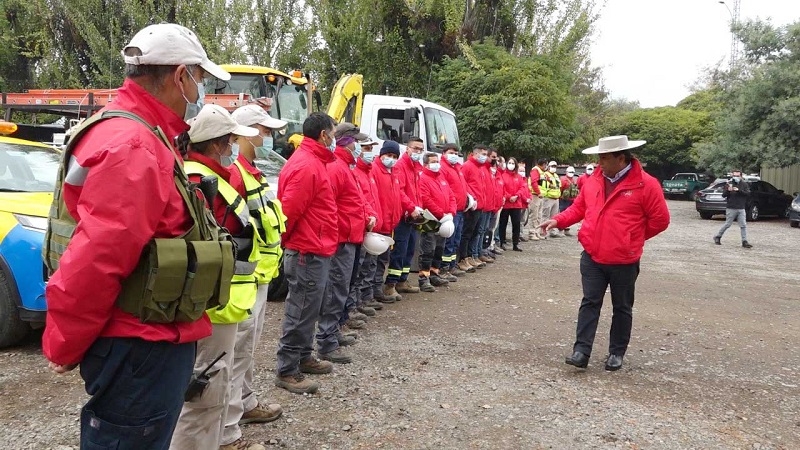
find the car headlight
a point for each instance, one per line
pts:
(796, 206)
(32, 222)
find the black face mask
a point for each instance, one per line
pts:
(494, 162)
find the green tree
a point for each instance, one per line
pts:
(23, 42)
(521, 105)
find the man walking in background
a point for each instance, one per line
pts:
(737, 192)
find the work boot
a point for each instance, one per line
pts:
(498, 250)
(746, 244)
(298, 383)
(717, 240)
(345, 341)
(316, 367)
(477, 263)
(355, 315)
(465, 266)
(377, 306)
(242, 444)
(503, 247)
(404, 287)
(425, 285)
(534, 237)
(337, 356)
(262, 414)
(456, 271)
(390, 295)
(486, 259)
(366, 310)
(436, 281)
(445, 275)
(347, 331)
(355, 324)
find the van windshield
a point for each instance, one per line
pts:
(441, 127)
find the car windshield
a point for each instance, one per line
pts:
(292, 107)
(271, 166)
(683, 176)
(28, 168)
(441, 128)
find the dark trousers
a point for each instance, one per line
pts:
(450, 251)
(430, 250)
(137, 392)
(337, 292)
(380, 271)
(405, 242)
(471, 220)
(307, 275)
(595, 279)
(516, 225)
(489, 218)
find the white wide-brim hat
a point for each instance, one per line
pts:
(611, 144)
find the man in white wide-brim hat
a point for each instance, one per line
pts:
(621, 207)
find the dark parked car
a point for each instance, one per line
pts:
(794, 212)
(765, 200)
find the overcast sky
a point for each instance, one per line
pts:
(653, 50)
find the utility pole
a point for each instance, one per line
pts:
(734, 21)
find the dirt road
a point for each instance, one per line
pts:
(712, 363)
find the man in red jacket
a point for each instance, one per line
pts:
(451, 171)
(130, 409)
(405, 235)
(439, 200)
(355, 217)
(476, 174)
(389, 195)
(625, 206)
(311, 239)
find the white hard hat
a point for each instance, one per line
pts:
(447, 229)
(376, 244)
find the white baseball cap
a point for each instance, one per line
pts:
(250, 115)
(214, 121)
(169, 44)
(552, 163)
(570, 169)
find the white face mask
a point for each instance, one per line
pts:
(228, 160)
(511, 166)
(388, 161)
(452, 158)
(552, 169)
(193, 109)
(434, 167)
(482, 158)
(368, 157)
(416, 157)
(570, 174)
(522, 174)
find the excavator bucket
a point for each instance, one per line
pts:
(347, 99)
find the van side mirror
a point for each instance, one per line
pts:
(410, 117)
(318, 100)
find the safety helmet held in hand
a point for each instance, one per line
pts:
(376, 244)
(446, 229)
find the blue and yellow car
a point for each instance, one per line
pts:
(28, 173)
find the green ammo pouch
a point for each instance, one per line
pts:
(153, 291)
(202, 277)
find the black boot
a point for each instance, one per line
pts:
(516, 246)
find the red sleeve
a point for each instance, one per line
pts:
(523, 192)
(407, 204)
(295, 191)
(655, 209)
(119, 206)
(429, 200)
(573, 214)
(535, 182)
(453, 202)
(473, 181)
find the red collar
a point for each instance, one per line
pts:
(248, 166)
(344, 154)
(430, 173)
(317, 149)
(134, 98)
(364, 166)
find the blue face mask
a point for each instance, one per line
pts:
(332, 145)
(368, 157)
(388, 161)
(452, 158)
(356, 152)
(482, 158)
(227, 161)
(263, 150)
(434, 167)
(416, 157)
(193, 109)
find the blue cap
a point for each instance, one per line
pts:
(390, 147)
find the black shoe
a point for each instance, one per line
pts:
(717, 240)
(503, 247)
(613, 362)
(746, 244)
(517, 249)
(578, 360)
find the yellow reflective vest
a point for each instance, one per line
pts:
(551, 185)
(244, 283)
(267, 213)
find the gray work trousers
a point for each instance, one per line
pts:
(361, 289)
(307, 275)
(740, 216)
(336, 294)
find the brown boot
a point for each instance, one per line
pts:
(315, 366)
(486, 259)
(355, 324)
(262, 414)
(242, 444)
(297, 383)
(355, 315)
(476, 263)
(465, 266)
(404, 287)
(390, 294)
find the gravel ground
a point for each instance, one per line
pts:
(712, 362)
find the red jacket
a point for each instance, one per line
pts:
(407, 173)
(615, 228)
(122, 195)
(581, 179)
(369, 189)
(389, 197)
(515, 184)
(436, 195)
(226, 218)
(351, 205)
(455, 178)
(499, 191)
(309, 201)
(477, 177)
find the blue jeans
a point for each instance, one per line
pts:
(476, 246)
(450, 254)
(405, 242)
(740, 216)
(137, 390)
